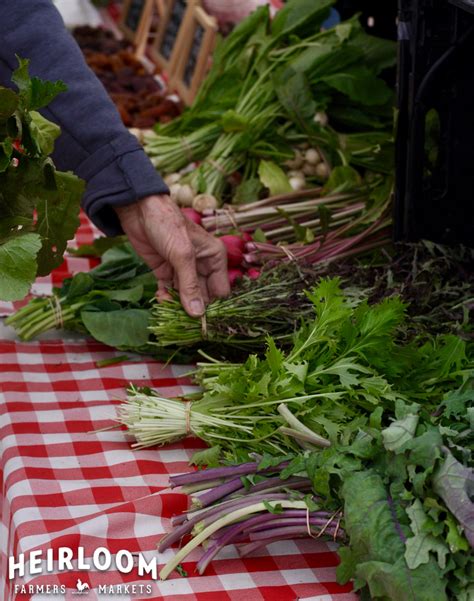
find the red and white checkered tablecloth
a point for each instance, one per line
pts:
(65, 484)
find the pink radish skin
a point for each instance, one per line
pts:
(253, 273)
(192, 215)
(234, 275)
(235, 247)
(246, 237)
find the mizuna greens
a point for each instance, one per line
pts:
(39, 206)
(345, 362)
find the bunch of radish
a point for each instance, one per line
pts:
(238, 267)
(235, 245)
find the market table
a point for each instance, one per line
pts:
(67, 484)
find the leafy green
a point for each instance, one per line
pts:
(360, 85)
(419, 546)
(18, 265)
(373, 522)
(301, 15)
(44, 132)
(273, 178)
(36, 201)
(454, 483)
(123, 329)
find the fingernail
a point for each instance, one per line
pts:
(197, 306)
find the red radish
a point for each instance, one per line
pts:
(234, 274)
(192, 215)
(246, 237)
(235, 247)
(253, 273)
(250, 247)
(17, 146)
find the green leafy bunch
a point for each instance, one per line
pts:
(38, 205)
(345, 364)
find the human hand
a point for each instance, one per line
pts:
(180, 253)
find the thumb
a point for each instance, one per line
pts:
(184, 264)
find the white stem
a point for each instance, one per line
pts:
(297, 425)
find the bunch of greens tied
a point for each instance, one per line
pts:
(435, 282)
(39, 206)
(274, 84)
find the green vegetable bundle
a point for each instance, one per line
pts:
(435, 282)
(39, 206)
(111, 303)
(386, 429)
(345, 362)
(269, 81)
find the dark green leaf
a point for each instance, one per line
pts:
(125, 329)
(301, 15)
(8, 102)
(360, 85)
(58, 219)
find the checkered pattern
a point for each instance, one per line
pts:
(67, 484)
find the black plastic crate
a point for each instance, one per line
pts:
(435, 141)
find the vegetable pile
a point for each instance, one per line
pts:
(39, 206)
(435, 282)
(380, 427)
(284, 108)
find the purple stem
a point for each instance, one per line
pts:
(221, 472)
(210, 515)
(269, 482)
(176, 520)
(218, 492)
(242, 502)
(229, 535)
(276, 533)
(282, 521)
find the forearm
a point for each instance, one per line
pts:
(94, 143)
